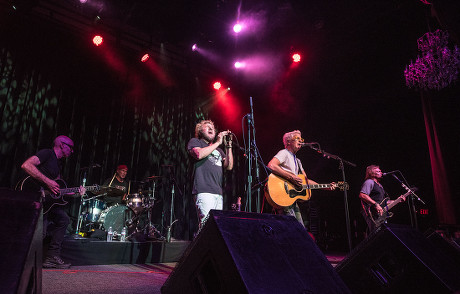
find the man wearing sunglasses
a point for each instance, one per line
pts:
(44, 167)
(286, 165)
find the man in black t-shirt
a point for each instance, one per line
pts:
(120, 186)
(209, 163)
(44, 168)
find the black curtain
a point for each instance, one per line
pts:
(51, 85)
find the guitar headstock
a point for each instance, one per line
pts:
(342, 186)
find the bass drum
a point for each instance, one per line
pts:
(115, 217)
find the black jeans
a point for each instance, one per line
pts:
(55, 224)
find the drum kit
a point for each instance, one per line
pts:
(135, 214)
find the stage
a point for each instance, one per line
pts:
(87, 251)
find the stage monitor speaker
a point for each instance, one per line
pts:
(21, 240)
(241, 252)
(399, 259)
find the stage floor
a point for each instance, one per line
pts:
(117, 278)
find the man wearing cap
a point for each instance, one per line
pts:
(119, 182)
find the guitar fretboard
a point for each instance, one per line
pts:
(318, 186)
(76, 189)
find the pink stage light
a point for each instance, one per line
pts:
(237, 28)
(145, 57)
(194, 47)
(239, 64)
(296, 57)
(98, 40)
(217, 85)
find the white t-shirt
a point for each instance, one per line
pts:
(289, 162)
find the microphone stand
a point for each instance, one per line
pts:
(410, 202)
(345, 194)
(252, 157)
(171, 222)
(79, 219)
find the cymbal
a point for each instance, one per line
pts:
(111, 191)
(154, 177)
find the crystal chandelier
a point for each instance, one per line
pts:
(437, 67)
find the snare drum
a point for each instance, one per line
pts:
(94, 207)
(115, 217)
(135, 202)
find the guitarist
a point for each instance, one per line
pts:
(286, 165)
(372, 195)
(44, 167)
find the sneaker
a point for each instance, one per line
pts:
(55, 262)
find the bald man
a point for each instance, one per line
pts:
(44, 167)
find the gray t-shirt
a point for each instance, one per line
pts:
(373, 190)
(289, 162)
(208, 172)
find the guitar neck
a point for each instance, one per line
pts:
(317, 186)
(397, 201)
(76, 189)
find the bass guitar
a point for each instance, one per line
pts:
(282, 193)
(50, 199)
(380, 219)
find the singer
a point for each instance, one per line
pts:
(286, 165)
(209, 163)
(44, 167)
(372, 197)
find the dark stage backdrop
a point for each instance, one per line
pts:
(114, 117)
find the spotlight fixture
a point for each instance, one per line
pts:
(237, 28)
(98, 40)
(296, 57)
(145, 57)
(194, 47)
(239, 64)
(217, 85)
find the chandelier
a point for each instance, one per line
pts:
(437, 67)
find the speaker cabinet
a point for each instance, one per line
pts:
(399, 259)
(240, 252)
(21, 242)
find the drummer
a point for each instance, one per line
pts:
(120, 186)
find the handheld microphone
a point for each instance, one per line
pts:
(389, 173)
(229, 135)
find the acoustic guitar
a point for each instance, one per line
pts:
(282, 193)
(50, 199)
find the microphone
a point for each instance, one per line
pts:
(389, 173)
(308, 144)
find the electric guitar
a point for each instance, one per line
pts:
(50, 199)
(380, 219)
(282, 193)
